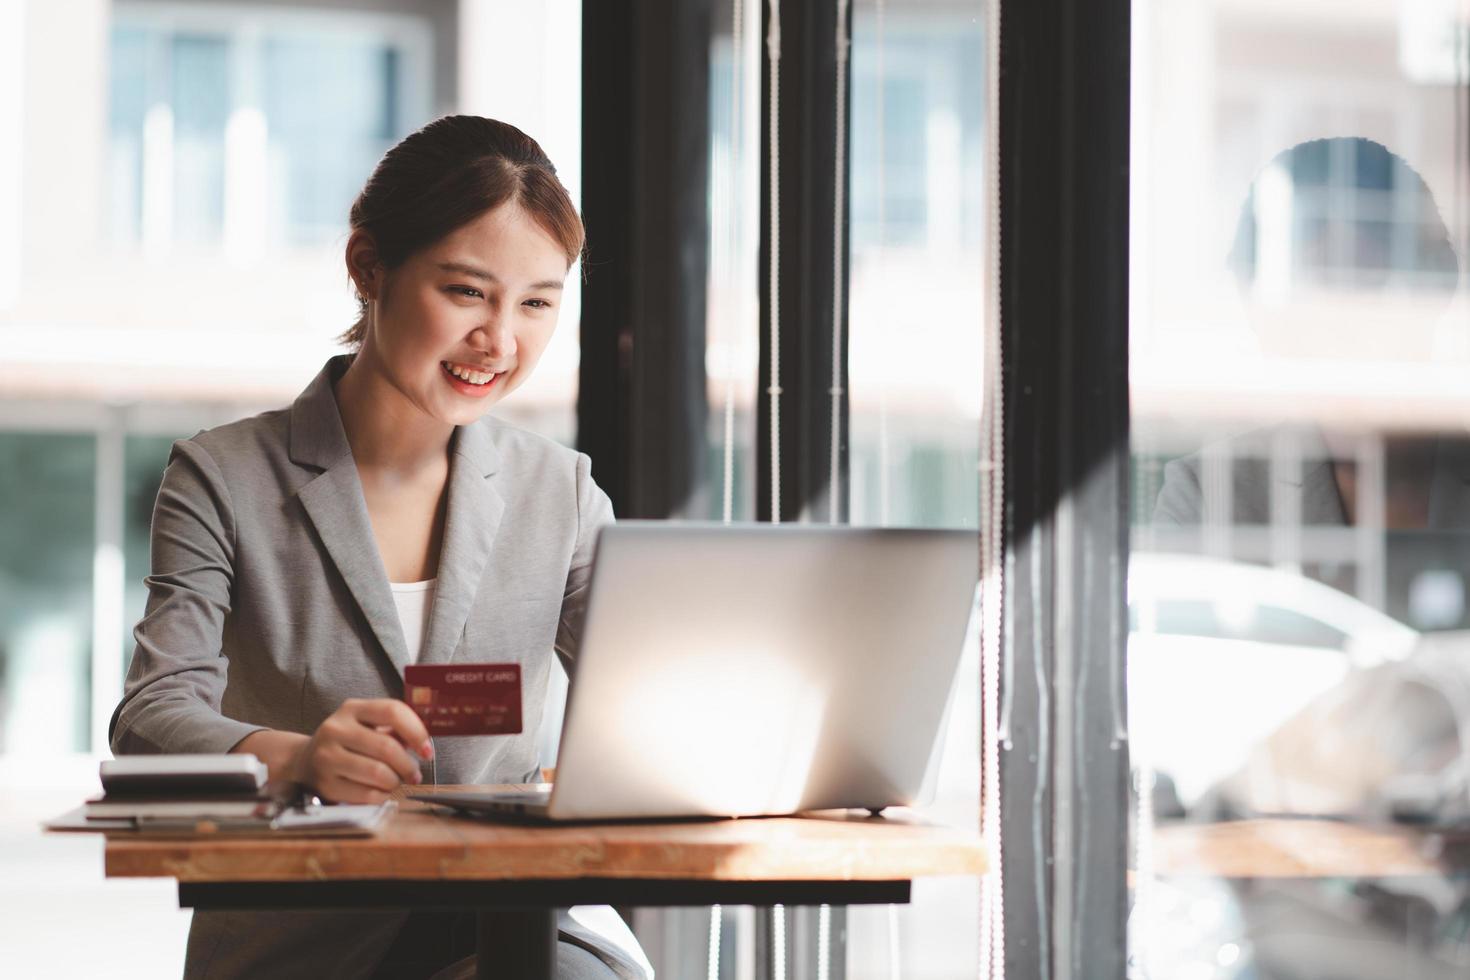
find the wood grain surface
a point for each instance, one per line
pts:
(425, 843)
(1301, 849)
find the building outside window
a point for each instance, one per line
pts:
(1298, 364)
(217, 136)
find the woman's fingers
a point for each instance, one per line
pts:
(341, 790)
(364, 770)
(398, 717)
(372, 742)
(358, 755)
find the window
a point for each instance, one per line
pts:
(918, 230)
(1298, 356)
(916, 317)
(46, 554)
(241, 127)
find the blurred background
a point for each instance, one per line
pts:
(1300, 375)
(174, 185)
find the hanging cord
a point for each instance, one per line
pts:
(839, 236)
(884, 477)
(824, 942)
(778, 942)
(713, 969)
(734, 226)
(839, 229)
(773, 390)
(993, 727)
(1461, 125)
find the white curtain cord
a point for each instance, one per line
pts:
(839, 228)
(992, 545)
(773, 301)
(773, 390)
(778, 942)
(732, 219)
(885, 481)
(713, 969)
(824, 942)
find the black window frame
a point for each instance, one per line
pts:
(1062, 84)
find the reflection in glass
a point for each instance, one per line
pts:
(1301, 475)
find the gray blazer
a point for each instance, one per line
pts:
(1181, 500)
(268, 606)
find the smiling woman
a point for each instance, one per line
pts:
(449, 173)
(303, 557)
(460, 244)
(438, 327)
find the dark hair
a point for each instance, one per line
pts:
(446, 175)
(1367, 218)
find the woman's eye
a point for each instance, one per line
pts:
(466, 291)
(538, 304)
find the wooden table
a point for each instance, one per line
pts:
(518, 875)
(1305, 849)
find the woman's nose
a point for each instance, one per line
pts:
(494, 336)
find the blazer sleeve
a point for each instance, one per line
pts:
(594, 512)
(172, 694)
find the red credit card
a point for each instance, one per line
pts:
(465, 699)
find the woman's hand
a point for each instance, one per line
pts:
(360, 753)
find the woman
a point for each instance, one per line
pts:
(301, 558)
(1347, 276)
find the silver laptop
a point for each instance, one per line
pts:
(751, 670)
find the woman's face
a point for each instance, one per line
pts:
(462, 323)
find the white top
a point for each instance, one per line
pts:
(414, 600)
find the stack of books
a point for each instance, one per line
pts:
(184, 789)
(198, 795)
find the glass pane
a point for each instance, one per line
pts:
(200, 97)
(918, 228)
(1301, 512)
(732, 310)
(323, 157)
(46, 544)
(918, 213)
(257, 131)
(128, 93)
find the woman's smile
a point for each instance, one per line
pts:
(468, 381)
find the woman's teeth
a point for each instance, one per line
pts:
(464, 374)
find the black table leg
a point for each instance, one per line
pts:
(516, 942)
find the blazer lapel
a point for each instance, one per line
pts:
(1321, 504)
(335, 503)
(471, 521)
